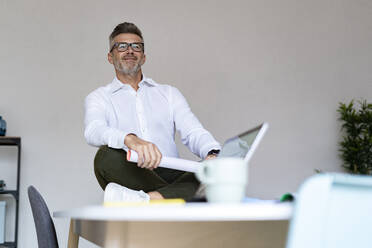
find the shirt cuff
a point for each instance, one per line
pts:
(116, 140)
(205, 149)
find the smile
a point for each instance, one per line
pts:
(130, 58)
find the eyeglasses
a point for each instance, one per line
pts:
(123, 46)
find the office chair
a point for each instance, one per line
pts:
(46, 232)
(332, 211)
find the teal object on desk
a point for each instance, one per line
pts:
(2, 127)
(332, 210)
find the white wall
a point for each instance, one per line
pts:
(237, 62)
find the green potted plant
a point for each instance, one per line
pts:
(356, 145)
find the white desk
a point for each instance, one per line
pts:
(191, 225)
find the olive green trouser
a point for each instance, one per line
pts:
(111, 165)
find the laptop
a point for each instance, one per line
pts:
(245, 144)
(241, 146)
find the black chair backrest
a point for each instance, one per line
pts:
(45, 230)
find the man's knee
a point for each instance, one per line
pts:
(107, 157)
(107, 163)
(111, 165)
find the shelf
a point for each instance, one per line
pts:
(11, 192)
(8, 244)
(13, 141)
(8, 192)
(10, 141)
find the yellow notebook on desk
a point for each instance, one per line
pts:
(177, 201)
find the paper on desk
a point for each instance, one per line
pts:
(171, 163)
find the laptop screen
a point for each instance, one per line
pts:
(240, 145)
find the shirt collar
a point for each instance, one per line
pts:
(117, 85)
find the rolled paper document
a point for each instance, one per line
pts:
(171, 163)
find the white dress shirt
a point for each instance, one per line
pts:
(154, 112)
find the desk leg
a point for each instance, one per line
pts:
(73, 238)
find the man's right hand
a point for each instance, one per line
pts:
(149, 155)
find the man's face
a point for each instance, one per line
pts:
(130, 61)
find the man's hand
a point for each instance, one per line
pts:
(212, 156)
(149, 155)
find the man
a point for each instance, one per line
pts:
(134, 112)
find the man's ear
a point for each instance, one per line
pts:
(109, 58)
(144, 59)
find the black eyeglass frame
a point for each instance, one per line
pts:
(116, 44)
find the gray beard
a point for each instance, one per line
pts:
(126, 70)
